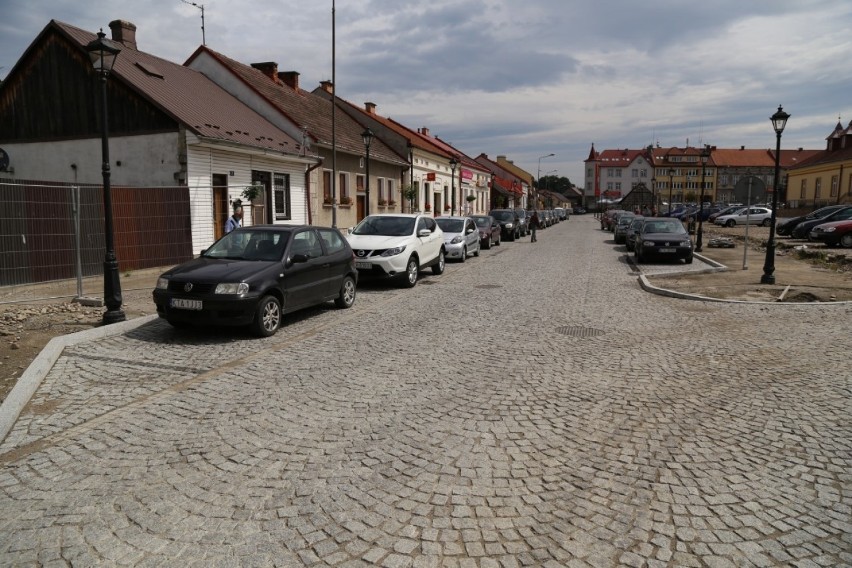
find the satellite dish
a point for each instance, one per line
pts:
(749, 190)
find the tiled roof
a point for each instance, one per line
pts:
(306, 110)
(732, 158)
(189, 97)
(619, 158)
(819, 157)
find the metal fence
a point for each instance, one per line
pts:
(54, 232)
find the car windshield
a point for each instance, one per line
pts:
(482, 221)
(503, 215)
(249, 244)
(385, 225)
(450, 225)
(662, 227)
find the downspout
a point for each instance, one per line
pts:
(308, 188)
(839, 185)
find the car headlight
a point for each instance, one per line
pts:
(456, 240)
(686, 243)
(509, 225)
(162, 283)
(232, 288)
(647, 244)
(393, 251)
(829, 229)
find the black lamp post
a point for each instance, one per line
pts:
(671, 187)
(367, 135)
(103, 52)
(453, 164)
(653, 195)
(705, 155)
(779, 121)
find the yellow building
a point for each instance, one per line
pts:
(825, 178)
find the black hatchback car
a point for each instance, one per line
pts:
(254, 275)
(510, 229)
(662, 238)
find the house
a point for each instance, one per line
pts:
(169, 126)
(337, 200)
(611, 174)
(824, 178)
(507, 189)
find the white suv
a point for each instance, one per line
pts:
(397, 246)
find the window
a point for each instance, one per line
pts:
(618, 186)
(359, 182)
(281, 196)
(618, 173)
(834, 183)
(380, 187)
(326, 186)
(610, 172)
(804, 189)
(635, 172)
(389, 190)
(609, 186)
(817, 188)
(643, 172)
(332, 239)
(723, 179)
(343, 187)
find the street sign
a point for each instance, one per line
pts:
(749, 190)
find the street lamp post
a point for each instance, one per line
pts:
(705, 155)
(453, 164)
(367, 135)
(538, 174)
(671, 188)
(102, 53)
(653, 195)
(779, 121)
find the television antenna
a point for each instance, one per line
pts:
(200, 7)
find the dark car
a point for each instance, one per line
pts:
(833, 233)
(254, 275)
(662, 238)
(632, 229)
(803, 229)
(784, 227)
(523, 221)
(508, 219)
(489, 230)
(620, 232)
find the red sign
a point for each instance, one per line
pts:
(430, 176)
(466, 174)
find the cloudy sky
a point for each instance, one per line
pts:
(523, 78)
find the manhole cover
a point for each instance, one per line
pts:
(578, 331)
(488, 286)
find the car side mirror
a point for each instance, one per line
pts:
(299, 258)
(424, 233)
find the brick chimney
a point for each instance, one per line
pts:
(370, 108)
(327, 86)
(123, 32)
(424, 131)
(290, 78)
(268, 68)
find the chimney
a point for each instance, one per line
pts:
(123, 32)
(424, 131)
(742, 147)
(268, 68)
(370, 108)
(290, 78)
(327, 86)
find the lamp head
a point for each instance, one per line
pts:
(453, 163)
(367, 135)
(779, 120)
(102, 52)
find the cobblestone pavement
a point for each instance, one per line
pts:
(531, 407)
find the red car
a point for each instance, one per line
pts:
(834, 233)
(489, 230)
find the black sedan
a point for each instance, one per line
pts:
(803, 229)
(254, 275)
(489, 230)
(662, 238)
(784, 227)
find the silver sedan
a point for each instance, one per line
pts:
(461, 237)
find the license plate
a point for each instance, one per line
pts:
(366, 265)
(182, 304)
(666, 250)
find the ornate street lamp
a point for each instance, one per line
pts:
(453, 164)
(705, 155)
(538, 174)
(671, 187)
(367, 135)
(779, 121)
(103, 52)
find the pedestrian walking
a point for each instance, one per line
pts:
(236, 220)
(533, 226)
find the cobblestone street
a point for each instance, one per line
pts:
(530, 407)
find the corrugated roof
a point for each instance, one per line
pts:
(190, 97)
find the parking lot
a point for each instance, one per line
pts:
(530, 407)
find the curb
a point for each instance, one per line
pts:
(32, 378)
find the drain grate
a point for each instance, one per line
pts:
(488, 286)
(579, 331)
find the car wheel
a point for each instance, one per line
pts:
(846, 240)
(487, 243)
(497, 242)
(267, 317)
(438, 268)
(730, 223)
(688, 259)
(478, 248)
(766, 222)
(464, 255)
(347, 294)
(411, 273)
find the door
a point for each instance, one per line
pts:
(305, 282)
(220, 205)
(361, 206)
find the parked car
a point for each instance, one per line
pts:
(608, 219)
(834, 233)
(730, 210)
(579, 210)
(461, 237)
(664, 238)
(523, 221)
(751, 215)
(620, 232)
(560, 213)
(784, 227)
(398, 246)
(632, 229)
(803, 229)
(508, 219)
(254, 275)
(489, 230)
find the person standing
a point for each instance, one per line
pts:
(533, 226)
(236, 220)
